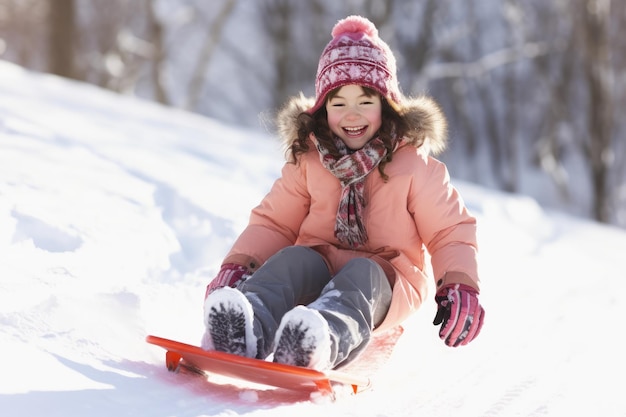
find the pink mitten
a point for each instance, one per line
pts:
(459, 313)
(230, 275)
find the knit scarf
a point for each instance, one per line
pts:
(350, 169)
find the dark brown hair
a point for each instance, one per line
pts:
(393, 126)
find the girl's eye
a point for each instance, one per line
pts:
(336, 104)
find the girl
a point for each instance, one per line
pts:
(335, 251)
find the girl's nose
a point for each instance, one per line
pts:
(352, 113)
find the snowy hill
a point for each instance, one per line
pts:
(115, 213)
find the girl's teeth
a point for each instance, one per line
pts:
(354, 130)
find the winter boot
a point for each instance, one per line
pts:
(228, 318)
(303, 339)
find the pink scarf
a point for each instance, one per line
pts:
(351, 169)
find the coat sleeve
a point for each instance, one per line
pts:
(446, 227)
(275, 222)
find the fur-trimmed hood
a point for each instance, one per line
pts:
(422, 113)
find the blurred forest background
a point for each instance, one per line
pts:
(535, 90)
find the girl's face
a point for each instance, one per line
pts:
(354, 116)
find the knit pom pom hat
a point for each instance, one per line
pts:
(356, 55)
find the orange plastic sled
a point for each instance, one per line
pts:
(254, 370)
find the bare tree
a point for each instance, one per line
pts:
(597, 145)
(554, 74)
(485, 84)
(278, 17)
(62, 26)
(156, 36)
(112, 49)
(213, 37)
(23, 33)
(415, 39)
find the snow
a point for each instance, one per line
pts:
(115, 213)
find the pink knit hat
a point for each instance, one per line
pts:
(356, 55)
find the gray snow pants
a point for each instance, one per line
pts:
(353, 301)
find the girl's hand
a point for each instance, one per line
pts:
(230, 275)
(459, 313)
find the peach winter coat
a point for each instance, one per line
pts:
(416, 209)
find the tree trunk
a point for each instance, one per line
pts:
(214, 35)
(156, 34)
(600, 113)
(62, 38)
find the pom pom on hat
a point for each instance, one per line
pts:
(354, 24)
(356, 55)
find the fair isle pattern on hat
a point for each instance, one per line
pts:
(356, 55)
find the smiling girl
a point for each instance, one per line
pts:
(336, 250)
